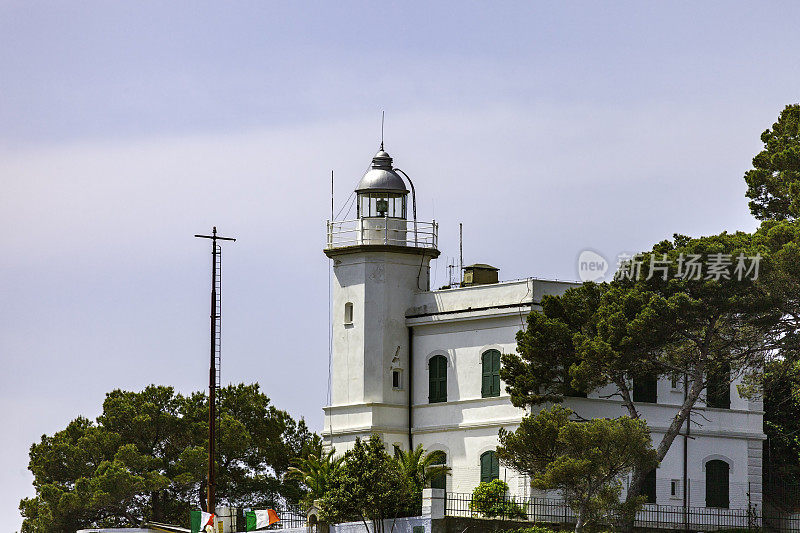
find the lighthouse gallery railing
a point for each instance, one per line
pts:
(386, 231)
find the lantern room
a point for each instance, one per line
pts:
(381, 192)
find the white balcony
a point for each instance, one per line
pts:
(385, 231)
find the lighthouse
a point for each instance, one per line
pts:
(381, 261)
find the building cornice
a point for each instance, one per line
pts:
(331, 408)
(472, 310)
(505, 398)
(366, 430)
(515, 421)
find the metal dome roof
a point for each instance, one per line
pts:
(380, 177)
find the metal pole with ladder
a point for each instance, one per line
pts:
(214, 376)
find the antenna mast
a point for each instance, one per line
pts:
(383, 116)
(461, 247)
(215, 362)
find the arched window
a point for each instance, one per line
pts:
(717, 483)
(348, 313)
(490, 385)
(645, 389)
(440, 481)
(649, 487)
(719, 387)
(490, 466)
(437, 379)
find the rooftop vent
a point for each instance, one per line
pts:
(480, 274)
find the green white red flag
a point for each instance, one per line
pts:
(260, 519)
(202, 522)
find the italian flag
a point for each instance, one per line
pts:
(261, 519)
(202, 522)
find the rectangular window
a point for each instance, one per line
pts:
(396, 379)
(675, 382)
(645, 389)
(675, 488)
(490, 384)
(490, 467)
(439, 481)
(649, 487)
(717, 484)
(718, 394)
(437, 379)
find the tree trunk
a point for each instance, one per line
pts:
(637, 480)
(155, 506)
(580, 518)
(201, 493)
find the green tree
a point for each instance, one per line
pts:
(585, 460)
(145, 458)
(782, 426)
(420, 468)
(782, 241)
(314, 473)
(779, 386)
(778, 382)
(256, 445)
(610, 334)
(489, 499)
(773, 184)
(369, 486)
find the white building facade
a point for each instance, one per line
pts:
(420, 366)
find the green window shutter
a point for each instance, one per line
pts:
(431, 382)
(490, 372)
(717, 484)
(490, 466)
(645, 389)
(649, 487)
(485, 376)
(496, 373)
(437, 379)
(442, 378)
(718, 392)
(440, 481)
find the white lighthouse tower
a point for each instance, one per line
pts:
(381, 260)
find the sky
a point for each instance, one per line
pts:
(127, 127)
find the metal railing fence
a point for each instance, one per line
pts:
(548, 510)
(290, 517)
(388, 231)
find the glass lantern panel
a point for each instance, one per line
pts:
(381, 205)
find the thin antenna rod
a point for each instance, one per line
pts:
(383, 116)
(331, 195)
(212, 372)
(461, 247)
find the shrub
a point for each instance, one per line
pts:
(535, 529)
(489, 499)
